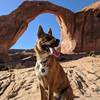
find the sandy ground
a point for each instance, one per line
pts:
(84, 76)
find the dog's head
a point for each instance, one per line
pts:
(46, 40)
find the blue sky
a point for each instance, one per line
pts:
(28, 39)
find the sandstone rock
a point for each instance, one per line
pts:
(91, 77)
(84, 82)
(20, 59)
(98, 72)
(13, 25)
(79, 31)
(19, 82)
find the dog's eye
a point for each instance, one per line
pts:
(45, 40)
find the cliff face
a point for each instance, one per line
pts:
(85, 34)
(79, 31)
(87, 28)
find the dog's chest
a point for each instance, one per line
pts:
(41, 69)
(42, 72)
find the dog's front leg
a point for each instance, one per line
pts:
(43, 93)
(50, 93)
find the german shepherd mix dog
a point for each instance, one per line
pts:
(54, 85)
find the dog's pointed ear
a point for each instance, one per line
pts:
(50, 32)
(40, 32)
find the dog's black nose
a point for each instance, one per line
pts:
(42, 70)
(58, 40)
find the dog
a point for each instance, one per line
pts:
(54, 85)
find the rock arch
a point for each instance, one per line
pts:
(25, 13)
(76, 28)
(30, 35)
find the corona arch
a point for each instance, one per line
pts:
(79, 31)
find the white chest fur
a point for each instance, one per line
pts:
(41, 69)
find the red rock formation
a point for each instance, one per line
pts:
(88, 28)
(79, 31)
(13, 25)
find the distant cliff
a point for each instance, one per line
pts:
(24, 58)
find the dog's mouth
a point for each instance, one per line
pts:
(51, 47)
(54, 52)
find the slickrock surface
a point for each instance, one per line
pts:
(22, 84)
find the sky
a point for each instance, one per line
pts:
(28, 39)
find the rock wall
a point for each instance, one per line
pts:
(87, 28)
(79, 31)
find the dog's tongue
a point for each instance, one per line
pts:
(54, 52)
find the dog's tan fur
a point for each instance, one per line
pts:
(55, 81)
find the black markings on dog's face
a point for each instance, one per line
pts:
(46, 40)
